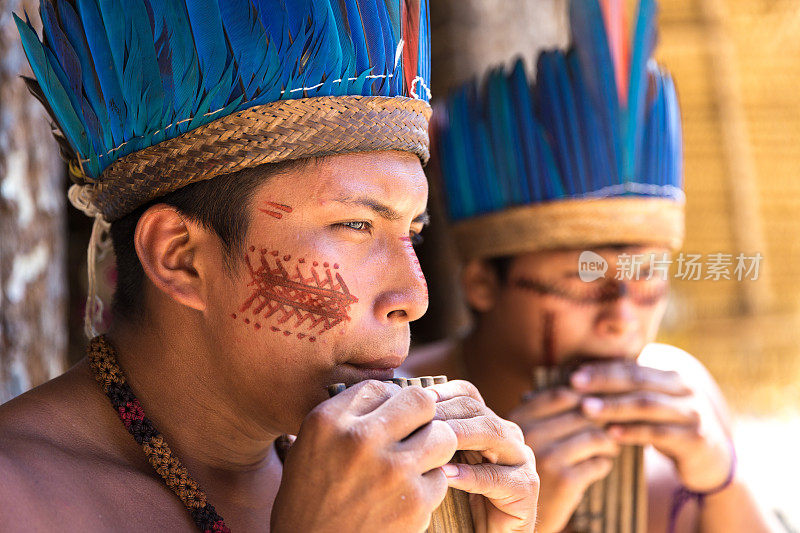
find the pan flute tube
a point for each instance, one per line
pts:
(618, 503)
(453, 515)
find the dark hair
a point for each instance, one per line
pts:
(219, 204)
(500, 266)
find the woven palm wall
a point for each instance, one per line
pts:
(737, 64)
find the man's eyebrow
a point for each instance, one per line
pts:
(383, 210)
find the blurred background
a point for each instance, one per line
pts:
(737, 67)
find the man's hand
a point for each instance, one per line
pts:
(368, 459)
(572, 452)
(506, 477)
(641, 405)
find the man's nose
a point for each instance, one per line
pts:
(617, 317)
(406, 296)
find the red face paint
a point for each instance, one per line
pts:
(295, 296)
(274, 209)
(417, 267)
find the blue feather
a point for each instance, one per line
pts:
(551, 106)
(599, 168)
(148, 91)
(642, 48)
(297, 18)
(172, 19)
(54, 91)
(273, 18)
(590, 41)
(356, 30)
(212, 49)
(454, 162)
(571, 122)
(74, 31)
(675, 134)
(553, 180)
(526, 124)
(248, 41)
(389, 45)
(424, 67)
(104, 67)
(113, 20)
(469, 175)
(505, 141)
(67, 66)
(70, 71)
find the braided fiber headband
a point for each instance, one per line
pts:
(572, 224)
(269, 133)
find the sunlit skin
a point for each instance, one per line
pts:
(622, 392)
(221, 379)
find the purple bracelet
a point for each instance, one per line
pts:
(683, 495)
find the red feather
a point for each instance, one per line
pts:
(616, 28)
(410, 42)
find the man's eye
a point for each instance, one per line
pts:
(359, 225)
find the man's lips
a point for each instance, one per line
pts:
(349, 374)
(380, 369)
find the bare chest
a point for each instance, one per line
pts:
(108, 499)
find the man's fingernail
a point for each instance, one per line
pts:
(450, 470)
(593, 405)
(580, 379)
(432, 393)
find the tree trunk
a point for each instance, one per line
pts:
(32, 231)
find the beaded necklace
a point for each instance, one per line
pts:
(107, 372)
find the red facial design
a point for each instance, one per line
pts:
(417, 267)
(273, 209)
(294, 301)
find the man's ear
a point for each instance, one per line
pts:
(481, 285)
(167, 245)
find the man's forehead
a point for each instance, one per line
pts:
(570, 258)
(391, 179)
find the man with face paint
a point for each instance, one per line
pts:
(260, 165)
(566, 200)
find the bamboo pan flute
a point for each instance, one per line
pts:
(618, 503)
(453, 515)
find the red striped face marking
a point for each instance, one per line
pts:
(275, 209)
(415, 261)
(299, 300)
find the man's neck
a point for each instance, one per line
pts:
(495, 370)
(169, 372)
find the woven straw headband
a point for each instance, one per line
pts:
(572, 224)
(269, 133)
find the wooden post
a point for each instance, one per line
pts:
(32, 226)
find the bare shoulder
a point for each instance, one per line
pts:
(431, 359)
(64, 464)
(694, 373)
(671, 358)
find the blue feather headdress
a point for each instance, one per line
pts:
(590, 154)
(122, 76)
